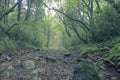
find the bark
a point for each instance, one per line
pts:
(19, 10)
(7, 32)
(69, 17)
(48, 38)
(9, 11)
(77, 33)
(29, 4)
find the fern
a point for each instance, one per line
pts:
(87, 50)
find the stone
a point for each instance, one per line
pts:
(37, 58)
(114, 78)
(36, 78)
(6, 74)
(39, 70)
(8, 58)
(28, 64)
(67, 55)
(118, 70)
(10, 67)
(50, 59)
(13, 72)
(43, 61)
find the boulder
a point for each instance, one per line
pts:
(51, 59)
(28, 64)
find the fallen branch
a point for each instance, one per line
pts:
(102, 59)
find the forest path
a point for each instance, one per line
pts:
(38, 65)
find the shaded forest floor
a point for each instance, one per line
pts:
(37, 65)
(44, 65)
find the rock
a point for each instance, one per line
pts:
(36, 58)
(39, 70)
(43, 61)
(36, 78)
(28, 64)
(13, 72)
(67, 55)
(6, 74)
(118, 70)
(8, 58)
(50, 59)
(114, 78)
(28, 55)
(10, 67)
(37, 49)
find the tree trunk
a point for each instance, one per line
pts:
(48, 37)
(29, 4)
(19, 10)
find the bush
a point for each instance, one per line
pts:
(2, 46)
(7, 44)
(115, 51)
(87, 49)
(10, 45)
(88, 70)
(107, 24)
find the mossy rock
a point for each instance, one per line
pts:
(87, 70)
(28, 64)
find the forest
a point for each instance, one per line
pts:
(59, 39)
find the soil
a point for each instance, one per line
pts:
(49, 65)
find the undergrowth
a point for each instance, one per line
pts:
(7, 44)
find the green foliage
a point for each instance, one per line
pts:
(10, 45)
(31, 46)
(87, 49)
(7, 44)
(71, 3)
(88, 70)
(2, 46)
(115, 51)
(106, 24)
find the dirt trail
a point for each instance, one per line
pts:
(38, 65)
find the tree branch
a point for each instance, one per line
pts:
(68, 17)
(11, 28)
(9, 11)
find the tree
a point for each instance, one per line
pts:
(19, 9)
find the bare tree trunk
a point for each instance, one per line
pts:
(29, 4)
(8, 11)
(5, 7)
(19, 10)
(48, 37)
